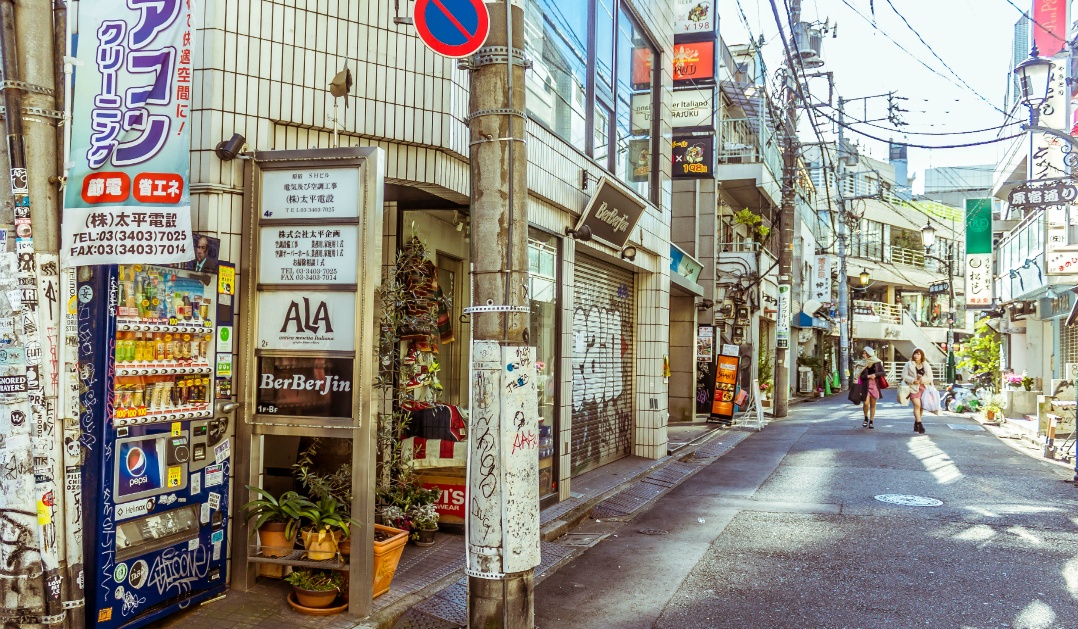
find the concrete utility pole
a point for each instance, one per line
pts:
(503, 481)
(843, 281)
(786, 224)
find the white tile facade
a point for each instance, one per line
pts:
(264, 70)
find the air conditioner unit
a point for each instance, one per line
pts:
(804, 381)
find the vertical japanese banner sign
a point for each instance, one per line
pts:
(782, 322)
(127, 197)
(1051, 159)
(821, 279)
(978, 253)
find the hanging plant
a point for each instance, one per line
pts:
(754, 222)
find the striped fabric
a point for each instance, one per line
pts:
(426, 453)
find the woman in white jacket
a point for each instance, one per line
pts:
(917, 374)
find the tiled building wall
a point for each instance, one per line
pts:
(264, 68)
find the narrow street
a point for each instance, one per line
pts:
(785, 531)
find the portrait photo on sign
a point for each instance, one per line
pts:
(207, 250)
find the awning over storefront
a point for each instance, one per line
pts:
(902, 276)
(685, 286)
(802, 320)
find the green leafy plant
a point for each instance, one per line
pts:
(981, 352)
(316, 580)
(288, 508)
(765, 371)
(757, 229)
(1027, 383)
(424, 517)
(325, 515)
(336, 485)
(995, 404)
(402, 312)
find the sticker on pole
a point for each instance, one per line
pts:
(452, 28)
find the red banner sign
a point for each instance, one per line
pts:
(1049, 26)
(694, 61)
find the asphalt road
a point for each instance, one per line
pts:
(784, 531)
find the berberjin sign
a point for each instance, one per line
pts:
(611, 214)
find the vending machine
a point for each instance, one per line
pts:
(156, 454)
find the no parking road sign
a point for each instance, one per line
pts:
(452, 28)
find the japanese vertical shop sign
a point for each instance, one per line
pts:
(979, 286)
(821, 279)
(782, 321)
(127, 197)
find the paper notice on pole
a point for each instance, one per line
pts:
(215, 475)
(196, 483)
(214, 500)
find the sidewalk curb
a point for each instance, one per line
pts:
(389, 615)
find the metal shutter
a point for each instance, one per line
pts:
(602, 363)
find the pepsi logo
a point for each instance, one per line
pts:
(136, 462)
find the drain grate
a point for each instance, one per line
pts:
(628, 501)
(671, 474)
(909, 501)
(586, 540)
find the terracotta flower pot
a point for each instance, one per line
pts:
(273, 541)
(321, 545)
(314, 598)
(387, 554)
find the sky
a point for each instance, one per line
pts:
(972, 37)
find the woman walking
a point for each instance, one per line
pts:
(869, 370)
(917, 374)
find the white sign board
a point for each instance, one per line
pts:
(821, 279)
(315, 320)
(978, 280)
(782, 322)
(694, 16)
(308, 255)
(689, 108)
(317, 193)
(1049, 162)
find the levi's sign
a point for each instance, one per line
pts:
(317, 320)
(611, 214)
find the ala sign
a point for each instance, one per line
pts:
(315, 320)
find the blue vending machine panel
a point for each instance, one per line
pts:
(156, 471)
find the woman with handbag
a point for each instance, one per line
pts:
(870, 381)
(918, 375)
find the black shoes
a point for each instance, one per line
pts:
(870, 424)
(919, 427)
(864, 424)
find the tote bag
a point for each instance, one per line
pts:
(904, 394)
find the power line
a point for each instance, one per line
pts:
(923, 146)
(918, 59)
(933, 133)
(1030, 18)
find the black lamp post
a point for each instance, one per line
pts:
(1034, 78)
(865, 278)
(928, 238)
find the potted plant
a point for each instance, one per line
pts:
(315, 589)
(326, 524)
(424, 524)
(276, 520)
(994, 408)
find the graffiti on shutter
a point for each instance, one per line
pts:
(602, 364)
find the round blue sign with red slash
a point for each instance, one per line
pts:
(452, 28)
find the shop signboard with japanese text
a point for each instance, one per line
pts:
(694, 61)
(979, 284)
(127, 196)
(310, 193)
(308, 254)
(722, 405)
(693, 157)
(782, 323)
(821, 279)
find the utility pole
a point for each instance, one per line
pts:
(503, 481)
(843, 281)
(786, 224)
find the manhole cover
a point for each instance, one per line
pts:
(654, 532)
(909, 501)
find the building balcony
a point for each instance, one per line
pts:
(749, 163)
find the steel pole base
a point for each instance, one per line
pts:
(506, 603)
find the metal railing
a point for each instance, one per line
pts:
(745, 246)
(888, 313)
(740, 144)
(907, 257)
(894, 372)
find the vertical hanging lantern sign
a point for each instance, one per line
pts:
(127, 196)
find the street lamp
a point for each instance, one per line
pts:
(928, 239)
(1034, 77)
(865, 278)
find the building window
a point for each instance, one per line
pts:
(586, 80)
(556, 39)
(543, 334)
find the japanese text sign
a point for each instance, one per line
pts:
(722, 404)
(978, 226)
(127, 199)
(693, 16)
(979, 285)
(821, 279)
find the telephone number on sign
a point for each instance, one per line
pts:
(134, 235)
(136, 249)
